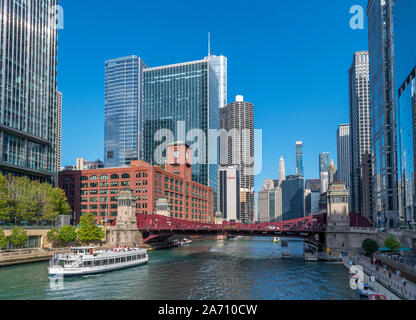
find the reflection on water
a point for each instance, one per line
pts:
(242, 268)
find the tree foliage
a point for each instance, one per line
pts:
(24, 200)
(53, 235)
(67, 235)
(18, 237)
(370, 247)
(392, 243)
(3, 239)
(88, 231)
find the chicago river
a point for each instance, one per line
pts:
(242, 268)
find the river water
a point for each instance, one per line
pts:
(242, 268)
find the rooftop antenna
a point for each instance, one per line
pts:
(209, 44)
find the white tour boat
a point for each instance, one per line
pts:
(87, 260)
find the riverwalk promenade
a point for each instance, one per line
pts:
(27, 256)
(391, 281)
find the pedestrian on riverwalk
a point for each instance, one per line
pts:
(404, 281)
(389, 274)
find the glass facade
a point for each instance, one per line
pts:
(383, 119)
(299, 158)
(360, 133)
(28, 88)
(405, 74)
(293, 197)
(123, 125)
(219, 63)
(181, 98)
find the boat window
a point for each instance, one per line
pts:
(111, 261)
(117, 260)
(87, 264)
(97, 262)
(133, 257)
(123, 259)
(104, 262)
(129, 258)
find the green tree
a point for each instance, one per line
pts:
(53, 235)
(4, 199)
(88, 231)
(392, 243)
(18, 237)
(67, 235)
(3, 239)
(370, 247)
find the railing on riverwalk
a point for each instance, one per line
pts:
(394, 284)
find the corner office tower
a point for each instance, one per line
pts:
(28, 88)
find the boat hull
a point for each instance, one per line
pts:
(73, 272)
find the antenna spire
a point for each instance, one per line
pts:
(209, 44)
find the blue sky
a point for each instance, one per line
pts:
(289, 58)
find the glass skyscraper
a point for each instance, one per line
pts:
(180, 98)
(405, 75)
(28, 88)
(383, 118)
(123, 110)
(219, 63)
(299, 158)
(360, 133)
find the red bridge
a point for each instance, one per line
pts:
(156, 228)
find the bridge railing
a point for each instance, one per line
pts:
(163, 223)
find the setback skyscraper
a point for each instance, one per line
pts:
(123, 110)
(343, 150)
(405, 75)
(360, 142)
(28, 89)
(323, 171)
(383, 117)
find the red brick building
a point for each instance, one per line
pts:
(95, 191)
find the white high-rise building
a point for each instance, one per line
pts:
(229, 193)
(282, 172)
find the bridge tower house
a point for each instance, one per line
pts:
(338, 220)
(125, 232)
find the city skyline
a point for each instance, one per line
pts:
(245, 75)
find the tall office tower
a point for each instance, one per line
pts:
(323, 171)
(383, 109)
(269, 205)
(229, 193)
(123, 110)
(343, 152)
(299, 158)
(405, 75)
(58, 133)
(180, 102)
(332, 172)
(360, 141)
(219, 63)
(240, 149)
(312, 200)
(293, 197)
(28, 89)
(282, 171)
